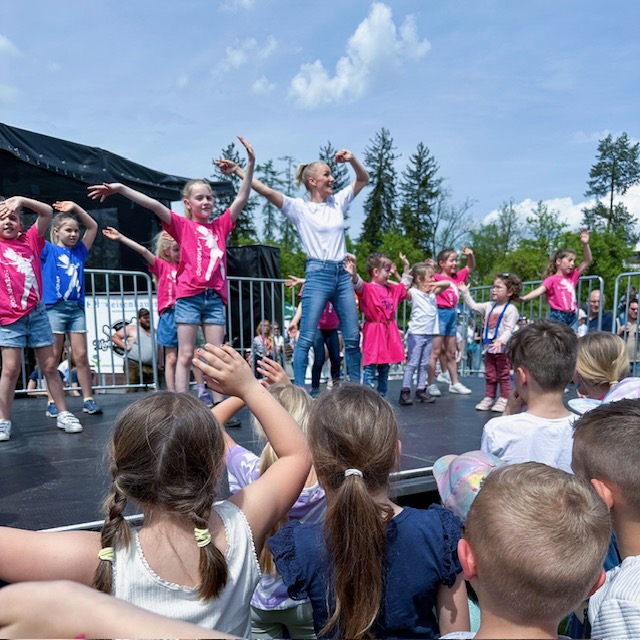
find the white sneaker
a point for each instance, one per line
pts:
(433, 390)
(67, 421)
(500, 405)
(458, 387)
(5, 430)
(444, 377)
(485, 404)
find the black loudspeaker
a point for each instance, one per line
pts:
(255, 298)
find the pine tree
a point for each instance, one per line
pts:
(339, 170)
(379, 207)
(244, 231)
(289, 238)
(267, 174)
(420, 188)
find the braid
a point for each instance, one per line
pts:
(115, 530)
(213, 566)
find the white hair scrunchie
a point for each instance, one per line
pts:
(353, 472)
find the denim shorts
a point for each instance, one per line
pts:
(32, 330)
(66, 316)
(447, 321)
(569, 318)
(204, 308)
(167, 331)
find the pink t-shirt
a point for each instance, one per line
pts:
(381, 339)
(21, 286)
(561, 291)
(329, 319)
(448, 299)
(203, 254)
(166, 272)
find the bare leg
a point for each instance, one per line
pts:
(187, 334)
(11, 362)
(214, 334)
(79, 350)
(170, 362)
(450, 351)
(436, 350)
(49, 367)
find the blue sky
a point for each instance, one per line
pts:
(511, 97)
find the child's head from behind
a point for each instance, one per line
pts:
(166, 454)
(167, 248)
(506, 286)
(448, 261)
(537, 537)
(606, 447)
(563, 262)
(601, 363)
(198, 200)
(547, 350)
(422, 274)
(65, 229)
(378, 267)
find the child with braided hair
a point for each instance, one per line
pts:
(193, 559)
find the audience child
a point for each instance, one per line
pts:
(374, 568)
(202, 272)
(423, 325)
(381, 340)
(532, 549)
(500, 320)
(192, 560)
(606, 453)
(263, 345)
(320, 221)
(560, 281)
(273, 613)
(543, 355)
(445, 342)
(63, 291)
(23, 317)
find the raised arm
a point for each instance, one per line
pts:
(245, 186)
(114, 234)
(91, 226)
(44, 211)
(270, 497)
(586, 251)
(469, 301)
(362, 177)
(471, 259)
(103, 191)
(350, 268)
(274, 197)
(536, 293)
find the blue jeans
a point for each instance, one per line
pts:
(332, 340)
(327, 281)
(369, 376)
(569, 318)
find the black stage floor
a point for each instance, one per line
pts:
(52, 479)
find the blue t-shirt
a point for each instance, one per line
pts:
(421, 554)
(63, 273)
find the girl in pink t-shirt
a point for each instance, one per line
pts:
(202, 273)
(560, 280)
(447, 301)
(379, 299)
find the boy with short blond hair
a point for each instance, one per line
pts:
(606, 452)
(533, 546)
(543, 355)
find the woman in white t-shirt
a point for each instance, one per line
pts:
(319, 220)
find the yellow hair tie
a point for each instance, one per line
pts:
(106, 553)
(203, 537)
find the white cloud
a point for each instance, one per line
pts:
(262, 86)
(376, 47)
(7, 47)
(568, 211)
(8, 94)
(236, 5)
(580, 137)
(244, 53)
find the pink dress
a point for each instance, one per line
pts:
(561, 291)
(448, 299)
(381, 339)
(20, 275)
(203, 254)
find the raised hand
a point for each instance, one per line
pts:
(111, 233)
(344, 155)
(225, 370)
(273, 372)
(66, 206)
(584, 236)
(226, 166)
(102, 191)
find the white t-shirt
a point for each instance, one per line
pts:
(614, 609)
(524, 437)
(320, 224)
(424, 313)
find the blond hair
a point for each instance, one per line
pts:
(606, 446)
(298, 404)
(57, 221)
(306, 171)
(186, 192)
(420, 272)
(602, 360)
(539, 536)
